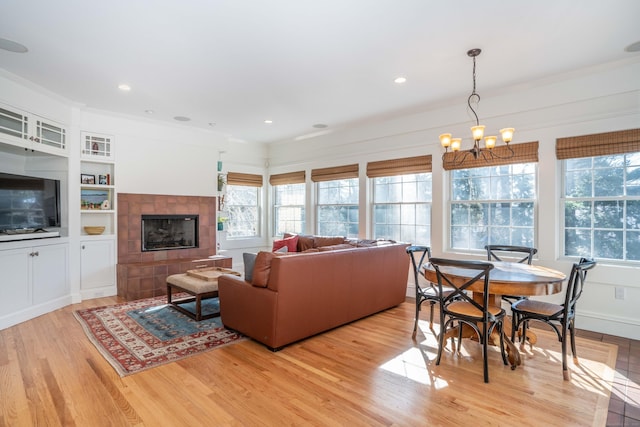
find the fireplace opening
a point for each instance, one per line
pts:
(166, 232)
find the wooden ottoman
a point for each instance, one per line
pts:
(200, 284)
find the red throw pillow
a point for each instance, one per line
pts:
(290, 242)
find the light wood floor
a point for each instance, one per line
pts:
(367, 373)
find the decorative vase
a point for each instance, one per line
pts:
(220, 226)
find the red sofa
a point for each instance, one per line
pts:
(296, 296)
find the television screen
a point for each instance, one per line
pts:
(28, 202)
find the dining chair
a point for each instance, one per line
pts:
(524, 254)
(459, 305)
(561, 318)
(423, 293)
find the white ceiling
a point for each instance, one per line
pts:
(236, 63)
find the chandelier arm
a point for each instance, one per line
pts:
(458, 158)
(507, 156)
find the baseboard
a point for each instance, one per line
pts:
(34, 311)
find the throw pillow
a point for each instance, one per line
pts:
(290, 242)
(305, 241)
(249, 260)
(261, 269)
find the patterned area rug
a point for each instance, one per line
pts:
(139, 335)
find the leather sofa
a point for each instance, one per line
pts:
(299, 295)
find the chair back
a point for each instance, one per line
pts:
(575, 285)
(451, 274)
(418, 251)
(528, 252)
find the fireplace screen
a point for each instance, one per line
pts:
(165, 232)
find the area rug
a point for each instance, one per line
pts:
(139, 335)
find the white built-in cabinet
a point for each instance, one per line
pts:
(97, 209)
(31, 132)
(35, 273)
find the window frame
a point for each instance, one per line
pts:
(318, 205)
(275, 206)
(258, 232)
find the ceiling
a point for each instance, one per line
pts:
(229, 65)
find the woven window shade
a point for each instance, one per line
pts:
(246, 179)
(419, 164)
(526, 152)
(599, 144)
(338, 172)
(288, 178)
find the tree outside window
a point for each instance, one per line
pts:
(338, 207)
(288, 208)
(243, 208)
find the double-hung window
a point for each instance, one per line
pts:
(601, 197)
(243, 205)
(337, 202)
(289, 192)
(495, 204)
(402, 199)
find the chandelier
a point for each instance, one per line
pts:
(477, 133)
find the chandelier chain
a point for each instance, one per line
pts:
(474, 93)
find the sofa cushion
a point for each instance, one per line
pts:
(290, 242)
(336, 247)
(305, 241)
(249, 260)
(320, 241)
(261, 269)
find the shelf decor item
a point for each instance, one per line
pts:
(94, 230)
(222, 180)
(87, 179)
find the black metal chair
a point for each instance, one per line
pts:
(494, 252)
(460, 306)
(428, 293)
(560, 317)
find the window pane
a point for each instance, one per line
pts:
(288, 208)
(338, 207)
(495, 202)
(608, 216)
(242, 205)
(402, 208)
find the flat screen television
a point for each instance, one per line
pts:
(28, 203)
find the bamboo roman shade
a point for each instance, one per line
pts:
(419, 164)
(526, 152)
(288, 178)
(337, 172)
(598, 144)
(246, 179)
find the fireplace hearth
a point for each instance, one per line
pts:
(168, 232)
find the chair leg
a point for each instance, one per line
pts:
(572, 331)
(415, 324)
(503, 352)
(514, 326)
(431, 303)
(443, 329)
(485, 351)
(565, 369)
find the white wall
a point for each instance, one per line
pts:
(600, 99)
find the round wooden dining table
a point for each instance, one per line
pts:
(506, 278)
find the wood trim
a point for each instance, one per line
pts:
(406, 165)
(288, 178)
(246, 179)
(526, 152)
(598, 144)
(336, 172)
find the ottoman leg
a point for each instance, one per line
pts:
(198, 308)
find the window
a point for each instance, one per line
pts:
(602, 207)
(288, 208)
(338, 207)
(243, 208)
(493, 205)
(402, 208)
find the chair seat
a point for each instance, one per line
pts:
(469, 310)
(541, 308)
(432, 293)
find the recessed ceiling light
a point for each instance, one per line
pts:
(12, 46)
(148, 111)
(212, 124)
(125, 88)
(320, 126)
(400, 80)
(181, 118)
(268, 121)
(633, 47)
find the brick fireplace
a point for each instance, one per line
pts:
(143, 274)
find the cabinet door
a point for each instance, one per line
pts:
(50, 277)
(50, 134)
(97, 264)
(14, 127)
(15, 286)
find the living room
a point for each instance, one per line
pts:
(162, 158)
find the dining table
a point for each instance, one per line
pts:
(506, 278)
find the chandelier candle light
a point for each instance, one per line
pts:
(477, 132)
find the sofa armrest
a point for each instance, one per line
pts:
(247, 309)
